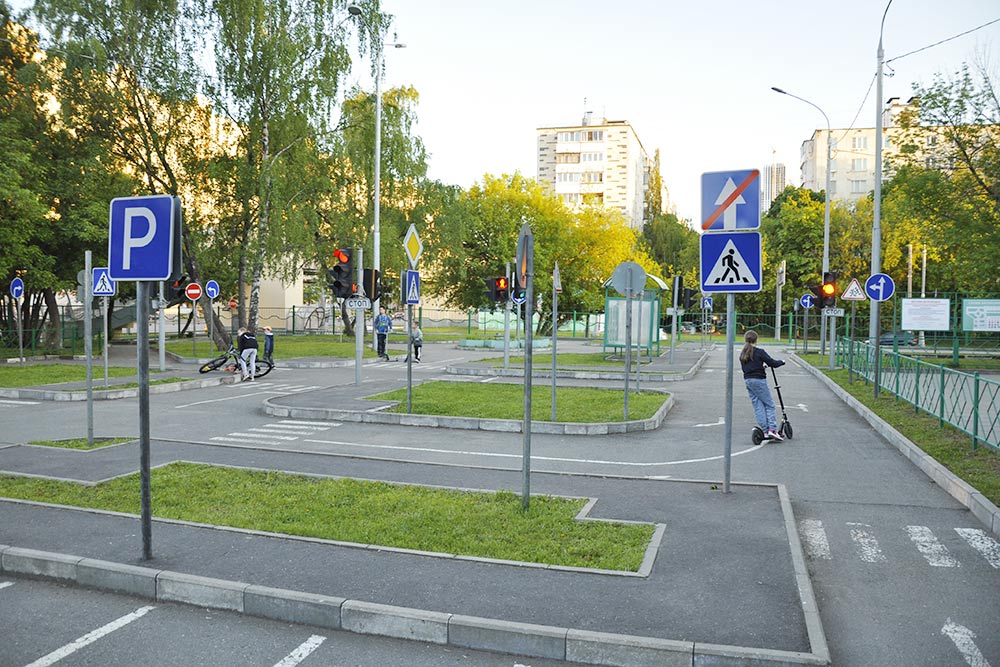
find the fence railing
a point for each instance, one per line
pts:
(965, 401)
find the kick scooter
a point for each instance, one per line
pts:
(785, 428)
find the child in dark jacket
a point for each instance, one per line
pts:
(754, 359)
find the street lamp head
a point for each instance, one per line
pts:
(353, 10)
(397, 45)
(778, 90)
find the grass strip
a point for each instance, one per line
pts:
(506, 401)
(946, 444)
(488, 525)
(44, 374)
(543, 359)
(285, 347)
(81, 443)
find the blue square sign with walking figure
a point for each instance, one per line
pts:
(731, 262)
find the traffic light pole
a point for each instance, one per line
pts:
(359, 324)
(506, 321)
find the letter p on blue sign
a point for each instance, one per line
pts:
(141, 237)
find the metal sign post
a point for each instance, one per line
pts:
(359, 322)
(506, 321)
(525, 272)
(628, 279)
(730, 369)
(17, 291)
(88, 340)
(144, 245)
(556, 288)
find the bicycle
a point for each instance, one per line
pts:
(261, 367)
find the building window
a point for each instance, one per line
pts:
(571, 136)
(859, 164)
(932, 140)
(593, 135)
(567, 158)
(833, 166)
(833, 189)
(568, 177)
(593, 199)
(571, 198)
(930, 163)
(592, 157)
(859, 143)
(859, 187)
(593, 177)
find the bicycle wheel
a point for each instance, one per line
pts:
(262, 367)
(212, 365)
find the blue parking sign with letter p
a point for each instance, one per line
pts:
(141, 237)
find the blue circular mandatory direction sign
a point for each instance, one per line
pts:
(807, 300)
(17, 288)
(880, 287)
(211, 289)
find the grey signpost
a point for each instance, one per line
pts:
(359, 321)
(556, 288)
(506, 320)
(525, 272)
(17, 291)
(143, 245)
(628, 279)
(88, 342)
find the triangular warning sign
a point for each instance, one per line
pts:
(730, 268)
(103, 286)
(854, 292)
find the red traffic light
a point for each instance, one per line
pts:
(501, 283)
(341, 256)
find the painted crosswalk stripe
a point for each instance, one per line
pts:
(814, 536)
(245, 441)
(296, 428)
(302, 652)
(867, 545)
(307, 423)
(983, 543)
(964, 640)
(89, 638)
(275, 436)
(930, 548)
(2, 400)
(5, 584)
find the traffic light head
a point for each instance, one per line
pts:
(343, 273)
(828, 290)
(501, 289)
(178, 286)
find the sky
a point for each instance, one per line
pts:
(692, 78)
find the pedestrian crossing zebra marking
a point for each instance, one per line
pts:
(866, 547)
(276, 433)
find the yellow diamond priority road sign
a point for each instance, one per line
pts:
(413, 247)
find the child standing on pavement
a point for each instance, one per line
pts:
(268, 345)
(383, 325)
(754, 359)
(417, 339)
(246, 343)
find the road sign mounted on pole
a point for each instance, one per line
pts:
(211, 289)
(413, 246)
(731, 262)
(17, 288)
(730, 200)
(412, 288)
(854, 292)
(880, 287)
(141, 238)
(193, 291)
(103, 285)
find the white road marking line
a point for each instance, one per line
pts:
(983, 543)
(722, 421)
(868, 549)
(89, 638)
(3, 400)
(219, 400)
(963, 638)
(814, 536)
(5, 584)
(302, 652)
(307, 423)
(931, 549)
(244, 441)
(491, 379)
(291, 428)
(431, 450)
(269, 436)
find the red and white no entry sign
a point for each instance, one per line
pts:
(232, 303)
(193, 291)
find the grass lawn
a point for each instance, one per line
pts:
(12, 376)
(947, 445)
(285, 347)
(489, 525)
(506, 401)
(81, 443)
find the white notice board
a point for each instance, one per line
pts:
(926, 315)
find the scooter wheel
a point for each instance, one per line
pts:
(757, 435)
(786, 430)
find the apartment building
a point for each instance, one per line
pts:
(598, 162)
(773, 185)
(852, 166)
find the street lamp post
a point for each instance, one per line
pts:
(376, 227)
(826, 210)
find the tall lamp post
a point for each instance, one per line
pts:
(826, 211)
(377, 231)
(873, 324)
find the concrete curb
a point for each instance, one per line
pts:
(956, 487)
(646, 376)
(540, 641)
(107, 394)
(471, 423)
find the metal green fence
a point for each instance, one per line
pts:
(966, 401)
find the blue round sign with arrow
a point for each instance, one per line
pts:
(211, 289)
(807, 300)
(880, 287)
(17, 288)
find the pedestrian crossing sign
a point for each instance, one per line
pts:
(103, 285)
(731, 262)
(412, 287)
